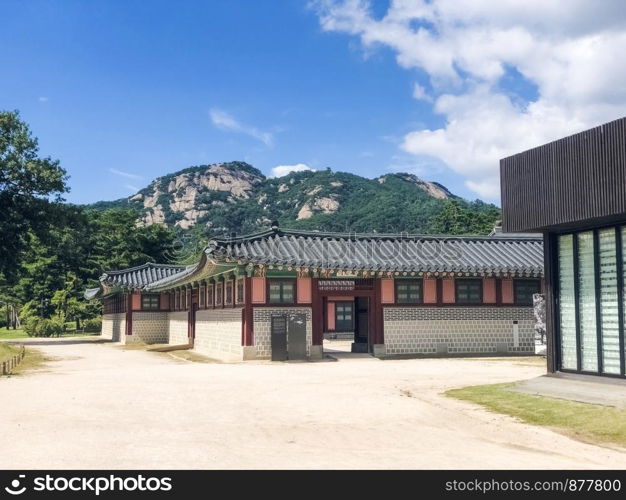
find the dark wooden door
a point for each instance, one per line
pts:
(296, 336)
(278, 337)
(361, 320)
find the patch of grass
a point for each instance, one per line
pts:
(5, 333)
(33, 358)
(587, 422)
(7, 350)
(21, 334)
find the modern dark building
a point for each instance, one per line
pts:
(573, 190)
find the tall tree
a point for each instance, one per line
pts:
(30, 187)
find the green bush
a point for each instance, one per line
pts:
(40, 327)
(30, 325)
(28, 311)
(92, 325)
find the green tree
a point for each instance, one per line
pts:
(456, 218)
(29, 188)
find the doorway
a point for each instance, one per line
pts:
(361, 325)
(347, 325)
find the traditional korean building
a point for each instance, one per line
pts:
(276, 294)
(573, 190)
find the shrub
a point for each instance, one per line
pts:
(39, 327)
(92, 325)
(51, 328)
(30, 325)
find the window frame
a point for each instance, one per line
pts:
(460, 281)
(219, 294)
(400, 282)
(518, 281)
(282, 282)
(240, 291)
(343, 303)
(229, 293)
(152, 305)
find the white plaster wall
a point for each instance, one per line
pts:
(177, 328)
(113, 326)
(218, 333)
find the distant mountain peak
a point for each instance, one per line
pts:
(186, 195)
(434, 189)
(222, 198)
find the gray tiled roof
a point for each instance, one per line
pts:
(140, 276)
(520, 255)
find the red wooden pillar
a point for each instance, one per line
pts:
(247, 334)
(317, 314)
(377, 313)
(129, 314)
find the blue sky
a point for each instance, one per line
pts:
(122, 92)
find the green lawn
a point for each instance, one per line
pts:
(12, 334)
(6, 351)
(586, 422)
(33, 359)
(20, 334)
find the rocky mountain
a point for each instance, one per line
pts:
(236, 197)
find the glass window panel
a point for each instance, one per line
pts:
(408, 291)
(149, 301)
(469, 291)
(343, 316)
(524, 291)
(282, 292)
(623, 230)
(567, 306)
(608, 301)
(287, 292)
(587, 302)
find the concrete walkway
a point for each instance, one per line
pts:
(582, 388)
(99, 406)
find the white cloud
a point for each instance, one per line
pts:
(128, 175)
(42, 99)
(282, 170)
(420, 93)
(225, 121)
(131, 188)
(571, 51)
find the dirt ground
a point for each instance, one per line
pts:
(98, 406)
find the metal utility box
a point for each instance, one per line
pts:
(288, 336)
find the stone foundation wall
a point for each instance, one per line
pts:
(113, 326)
(177, 328)
(442, 331)
(262, 328)
(150, 327)
(218, 333)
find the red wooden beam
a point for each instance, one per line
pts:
(247, 315)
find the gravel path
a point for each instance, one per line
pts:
(99, 406)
